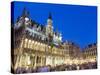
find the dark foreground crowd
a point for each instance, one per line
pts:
(64, 67)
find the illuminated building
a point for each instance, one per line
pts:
(73, 49)
(35, 45)
(90, 52)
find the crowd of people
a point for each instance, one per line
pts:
(63, 67)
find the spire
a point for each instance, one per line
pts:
(50, 16)
(25, 13)
(17, 19)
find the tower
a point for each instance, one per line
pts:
(25, 16)
(49, 27)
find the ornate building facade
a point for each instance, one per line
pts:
(35, 45)
(90, 52)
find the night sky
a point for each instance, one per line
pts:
(76, 23)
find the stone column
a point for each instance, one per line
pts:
(17, 62)
(53, 63)
(35, 63)
(41, 61)
(44, 60)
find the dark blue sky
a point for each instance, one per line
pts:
(76, 23)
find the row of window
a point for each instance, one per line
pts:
(42, 47)
(91, 53)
